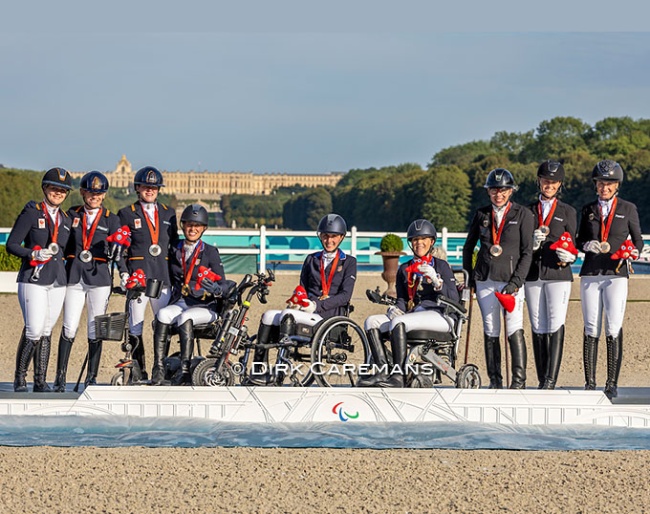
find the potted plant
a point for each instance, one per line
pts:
(9, 266)
(391, 247)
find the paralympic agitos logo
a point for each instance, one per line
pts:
(343, 415)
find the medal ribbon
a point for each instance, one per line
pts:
(496, 234)
(153, 230)
(87, 235)
(187, 274)
(604, 228)
(326, 284)
(545, 221)
(55, 229)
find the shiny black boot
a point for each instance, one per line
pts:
(614, 359)
(160, 342)
(556, 348)
(379, 360)
(518, 359)
(94, 356)
(186, 335)
(41, 360)
(24, 356)
(63, 356)
(259, 374)
(492, 347)
(589, 358)
(540, 352)
(398, 347)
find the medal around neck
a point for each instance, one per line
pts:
(53, 247)
(496, 250)
(85, 256)
(605, 247)
(544, 230)
(155, 250)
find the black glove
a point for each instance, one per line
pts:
(510, 288)
(211, 287)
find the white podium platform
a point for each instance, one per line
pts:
(342, 405)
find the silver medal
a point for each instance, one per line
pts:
(496, 250)
(85, 256)
(155, 250)
(53, 247)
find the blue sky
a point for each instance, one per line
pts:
(199, 87)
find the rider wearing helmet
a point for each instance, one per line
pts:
(190, 305)
(548, 284)
(419, 282)
(505, 230)
(153, 231)
(89, 275)
(605, 225)
(38, 237)
(328, 277)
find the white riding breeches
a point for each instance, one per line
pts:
(603, 294)
(491, 309)
(274, 317)
(423, 320)
(78, 295)
(41, 306)
(548, 302)
(179, 312)
(137, 309)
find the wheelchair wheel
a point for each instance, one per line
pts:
(468, 377)
(117, 379)
(338, 348)
(205, 375)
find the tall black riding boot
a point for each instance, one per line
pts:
(589, 358)
(41, 360)
(556, 347)
(137, 354)
(398, 347)
(62, 358)
(379, 360)
(186, 335)
(518, 358)
(160, 336)
(492, 347)
(259, 373)
(24, 356)
(614, 359)
(94, 356)
(540, 352)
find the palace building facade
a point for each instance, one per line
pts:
(211, 185)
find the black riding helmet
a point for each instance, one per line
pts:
(57, 177)
(421, 228)
(500, 177)
(95, 182)
(196, 213)
(148, 176)
(551, 170)
(607, 171)
(332, 224)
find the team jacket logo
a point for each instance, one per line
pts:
(41, 223)
(137, 223)
(75, 223)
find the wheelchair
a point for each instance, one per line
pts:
(432, 353)
(330, 352)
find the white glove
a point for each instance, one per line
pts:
(634, 254)
(592, 246)
(538, 239)
(393, 312)
(430, 273)
(42, 255)
(123, 278)
(310, 308)
(565, 255)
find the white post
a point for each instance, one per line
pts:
(353, 241)
(262, 268)
(445, 240)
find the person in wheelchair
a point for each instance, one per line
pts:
(191, 303)
(326, 285)
(420, 282)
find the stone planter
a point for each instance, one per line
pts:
(8, 282)
(391, 264)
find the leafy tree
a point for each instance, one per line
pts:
(447, 192)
